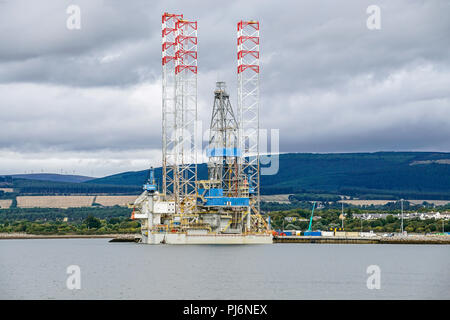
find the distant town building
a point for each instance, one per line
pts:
(406, 215)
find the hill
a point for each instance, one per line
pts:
(130, 178)
(133, 178)
(410, 175)
(53, 177)
(402, 174)
(40, 187)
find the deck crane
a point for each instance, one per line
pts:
(311, 219)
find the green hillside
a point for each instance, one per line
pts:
(39, 187)
(396, 174)
(381, 172)
(381, 175)
(131, 178)
(52, 177)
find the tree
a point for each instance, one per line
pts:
(390, 218)
(114, 220)
(92, 222)
(379, 229)
(349, 213)
(376, 223)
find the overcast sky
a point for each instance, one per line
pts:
(88, 101)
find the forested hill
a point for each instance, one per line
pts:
(53, 177)
(401, 174)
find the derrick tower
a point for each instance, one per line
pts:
(223, 152)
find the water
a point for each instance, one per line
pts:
(36, 269)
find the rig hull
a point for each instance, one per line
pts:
(183, 238)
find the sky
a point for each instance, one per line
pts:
(88, 101)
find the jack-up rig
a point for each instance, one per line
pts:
(224, 209)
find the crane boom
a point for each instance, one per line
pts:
(311, 219)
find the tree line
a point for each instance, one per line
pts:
(89, 225)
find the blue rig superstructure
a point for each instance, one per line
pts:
(150, 186)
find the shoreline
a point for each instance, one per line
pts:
(117, 237)
(12, 236)
(416, 239)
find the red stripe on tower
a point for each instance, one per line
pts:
(248, 46)
(186, 46)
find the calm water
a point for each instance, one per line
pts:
(36, 269)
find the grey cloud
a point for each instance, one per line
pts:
(310, 46)
(327, 82)
(79, 119)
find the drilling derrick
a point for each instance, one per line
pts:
(220, 194)
(248, 107)
(223, 151)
